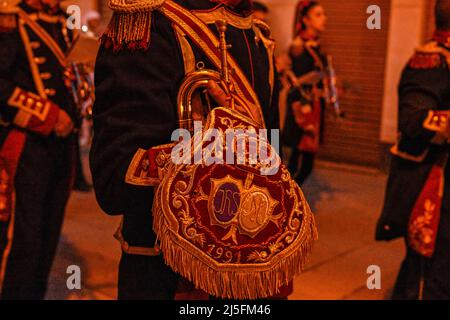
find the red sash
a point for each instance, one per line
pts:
(310, 140)
(9, 158)
(424, 222)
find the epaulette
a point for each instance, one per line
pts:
(429, 56)
(264, 27)
(8, 11)
(131, 22)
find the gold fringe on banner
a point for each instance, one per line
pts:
(8, 15)
(253, 283)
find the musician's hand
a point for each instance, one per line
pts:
(197, 107)
(64, 126)
(223, 100)
(216, 92)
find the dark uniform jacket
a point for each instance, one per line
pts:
(424, 97)
(35, 165)
(136, 107)
(15, 71)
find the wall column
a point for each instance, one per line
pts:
(407, 26)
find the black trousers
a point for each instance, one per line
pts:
(306, 167)
(42, 184)
(146, 278)
(424, 278)
(431, 276)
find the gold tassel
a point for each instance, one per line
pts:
(241, 285)
(130, 29)
(8, 22)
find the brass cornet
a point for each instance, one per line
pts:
(198, 80)
(82, 88)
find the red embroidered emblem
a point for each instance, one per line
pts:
(425, 217)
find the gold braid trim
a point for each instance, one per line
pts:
(262, 32)
(264, 27)
(132, 6)
(9, 6)
(131, 22)
(8, 11)
(8, 22)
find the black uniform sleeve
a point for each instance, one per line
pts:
(135, 108)
(273, 116)
(9, 47)
(14, 98)
(420, 91)
(273, 119)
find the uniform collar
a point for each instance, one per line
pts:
(240, 6)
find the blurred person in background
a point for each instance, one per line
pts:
(94, 24)
(37, 143)
(94, 29)
(417, 202)
(304, 115)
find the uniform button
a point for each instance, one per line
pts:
(46, 75)
(39, 105)
(145, 165)
(35, 44)
(40, 60)
(29, 102)
(50, 92)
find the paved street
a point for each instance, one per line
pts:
(346, 200)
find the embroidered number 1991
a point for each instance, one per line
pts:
(221, 253)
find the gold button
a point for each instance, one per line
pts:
(39, 105)
(40, 60)
(50, 92)
(35, 44)
(46, 75)
(145, 165)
